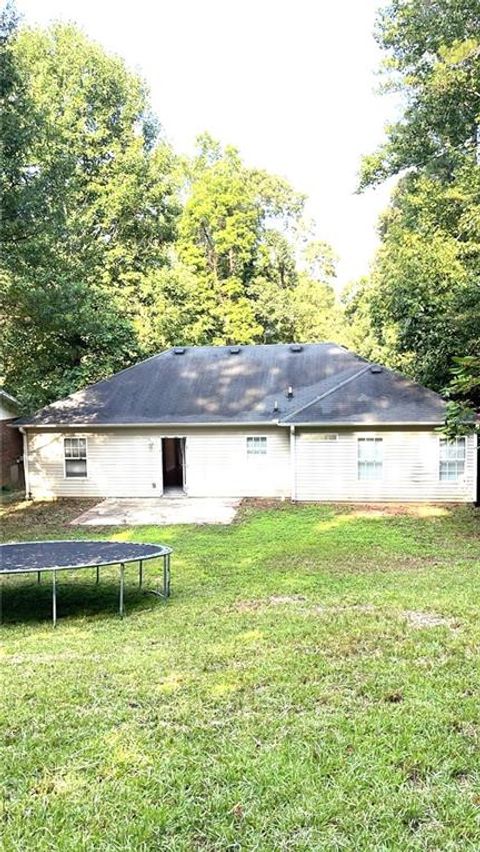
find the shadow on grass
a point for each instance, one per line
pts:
(26, 602)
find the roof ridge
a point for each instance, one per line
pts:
(327, 393)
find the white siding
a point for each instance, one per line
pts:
(218, 464)
(128, 463)
(327, 470)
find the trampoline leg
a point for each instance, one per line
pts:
(166, 576)
(122, 579)
(39, 577)
(98, 576)
(140, 574)
(54, 598)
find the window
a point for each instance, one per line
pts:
(75, 450)
(256, 446)
(452, 458)
(370, 458)
(328, 437)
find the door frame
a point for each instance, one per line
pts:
(183, 459)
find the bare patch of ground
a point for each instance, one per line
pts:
(263, 603)
(29, 519)
(416, 619)
(428, 619)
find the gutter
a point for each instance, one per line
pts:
(318, 424)
(161, 425)
(366, 424)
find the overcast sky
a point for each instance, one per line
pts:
(291, 83)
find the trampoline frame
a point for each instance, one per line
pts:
(163, 552)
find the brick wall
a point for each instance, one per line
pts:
(11, 449)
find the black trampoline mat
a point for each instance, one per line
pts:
(29, 556)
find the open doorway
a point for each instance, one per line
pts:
(173, 464)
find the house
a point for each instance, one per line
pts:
(11, 449)
(306, 422)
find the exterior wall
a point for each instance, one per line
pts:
(11, 450)
(128, 463)
(327, 470)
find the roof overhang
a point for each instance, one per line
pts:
(367, 424)
(285, 424)
(9, 398)
(162, 425)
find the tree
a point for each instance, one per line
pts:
(114, 247)
(241, 233)
(89, 201)
(424, 295)
(432, 59)
(232, 237)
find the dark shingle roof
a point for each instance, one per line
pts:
(375, 397)
(211, 384)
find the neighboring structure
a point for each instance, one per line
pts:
(311, 422)
(11, 445)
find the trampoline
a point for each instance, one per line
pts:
(37, 557)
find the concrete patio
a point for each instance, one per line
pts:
(161, 511)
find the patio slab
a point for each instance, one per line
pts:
(162, 511)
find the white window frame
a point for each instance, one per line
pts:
(459, 440)
(378, 466)
(69, 438)
(259, 441)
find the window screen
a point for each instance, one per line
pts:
(452, 458)
(256, 446)
(370, 458)
(75, 457)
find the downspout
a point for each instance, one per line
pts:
(28, 495)
(293, 465)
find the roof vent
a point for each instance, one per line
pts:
(179, 350)
(234, 350)
(289, 393)
(296, 347)
(375, 368)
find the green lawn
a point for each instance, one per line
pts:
(312, 684)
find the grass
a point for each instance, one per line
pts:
(312, 684)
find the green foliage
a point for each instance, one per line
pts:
(432, 57)
(114, 248)
(240, 234)
(423, 299)
(89, 206)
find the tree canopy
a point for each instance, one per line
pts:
(115, 247)
(423, 296)
(89, 205)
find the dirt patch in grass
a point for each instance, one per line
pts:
(428, 619)
(32, 520)
(416, 619)
(359, 510)
(263, 603)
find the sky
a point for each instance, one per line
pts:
(292, 83)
